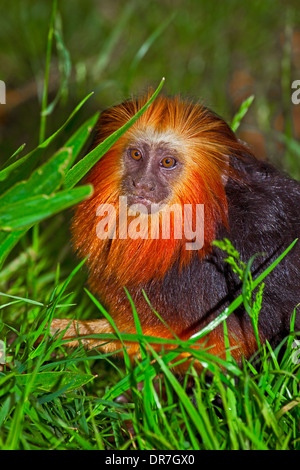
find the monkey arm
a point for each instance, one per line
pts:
(76, 331)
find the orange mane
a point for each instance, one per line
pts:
(204, 142)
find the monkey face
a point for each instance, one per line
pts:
(150, 170)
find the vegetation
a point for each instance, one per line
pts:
(56, 398)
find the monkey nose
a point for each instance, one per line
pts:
(143, 187)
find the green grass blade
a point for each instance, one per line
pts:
(44, 180)
(146, 46)
(292, 154)
(47, 71)
(239, 300)
(211, 441)
(22, 168)
(237, 118)
(13, 157)
(137, 326)
(46, 381)
(112, 323)
(77, 141)
(23, 299)
(111, 41)
(49, 177)
(32, 210)
(65, 66)
(7, 242)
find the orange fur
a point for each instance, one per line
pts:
(204, 143)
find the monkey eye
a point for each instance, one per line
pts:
(168, 162)
(135, 154)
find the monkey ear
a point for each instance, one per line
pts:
(244, 144)
(227, 168)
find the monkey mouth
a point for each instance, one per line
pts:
(149, 204)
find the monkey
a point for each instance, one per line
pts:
(180, 153)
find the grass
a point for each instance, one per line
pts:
(57, 398)
(53, 398)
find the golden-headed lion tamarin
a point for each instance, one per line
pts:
(182, 154)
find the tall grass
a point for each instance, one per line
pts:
(53, 398)
(57, 398)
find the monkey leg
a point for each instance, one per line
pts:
(76, 331)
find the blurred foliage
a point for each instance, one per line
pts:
(218, 52)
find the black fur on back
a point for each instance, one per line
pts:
(264, 219)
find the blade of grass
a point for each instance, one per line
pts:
(111, 41)
(64, 65)
(76, 142)
(44, 180)
(239, 300)
(201, 424)
(14, 156)
(145, 48)
(241, 113)
(112, 323)
(32, 210)
(24, 299)
(55, 174)
(138, 327)
(49, 177)
(21, 168)
(47, 381)
(47, 70)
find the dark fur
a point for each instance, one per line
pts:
(264, 218)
